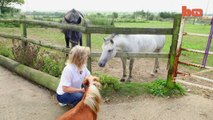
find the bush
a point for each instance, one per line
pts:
(158, 88)
(26, 55)
(7, 52)
(52, 67)
(49, 63)
(109, 82)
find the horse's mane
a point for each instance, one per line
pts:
(110, 37)
(93, 98)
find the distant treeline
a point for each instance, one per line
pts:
(108, 18)
(105, 18)
(99, 18)
(143, 15)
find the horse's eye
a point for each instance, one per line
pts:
(109, 50)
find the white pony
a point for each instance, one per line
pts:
(130, 43)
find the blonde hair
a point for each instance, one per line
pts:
(78, 56)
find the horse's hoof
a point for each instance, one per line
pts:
(128, 80)
(122, 80)
(152, 74)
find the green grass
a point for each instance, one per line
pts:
(148, 24)
(202, 29)
(112, 87)
(158, 88)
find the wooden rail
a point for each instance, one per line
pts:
(194, 65)
(196, 51)
(47, 24)
(93, 29)
(122, 30)
(135, 55)
(196, 34)
(36, 76)
(36, 42)
(203, 17)
(97, 54)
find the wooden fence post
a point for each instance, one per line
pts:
(179, 44)
(23, 27)
(172, 53)
(88, 44)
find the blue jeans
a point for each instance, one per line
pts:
(70, 98)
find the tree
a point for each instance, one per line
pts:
(140, 14)
(115, 15)
(149, 15)
(6, 3)
(165, 15)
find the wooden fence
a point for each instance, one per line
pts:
(88, 30)
(180, 49)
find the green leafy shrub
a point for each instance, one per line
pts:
(52, 67)
(158, 88)
(109, 82)
(5, 51)
(49, 62)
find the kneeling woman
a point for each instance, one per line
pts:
(69, 90)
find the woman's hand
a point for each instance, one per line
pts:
(72, 89)
(82, 90)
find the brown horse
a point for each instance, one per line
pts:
(88, 107)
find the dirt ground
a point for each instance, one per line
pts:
(141, 69)
(23, 100)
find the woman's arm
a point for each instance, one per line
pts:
(72, 89)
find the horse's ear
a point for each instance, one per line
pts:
(86, 82)
(104, 39)
(111, 41)
(96, 79)
(96, 82)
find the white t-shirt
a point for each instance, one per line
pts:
(72, 77)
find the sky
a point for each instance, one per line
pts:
(116, 5)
